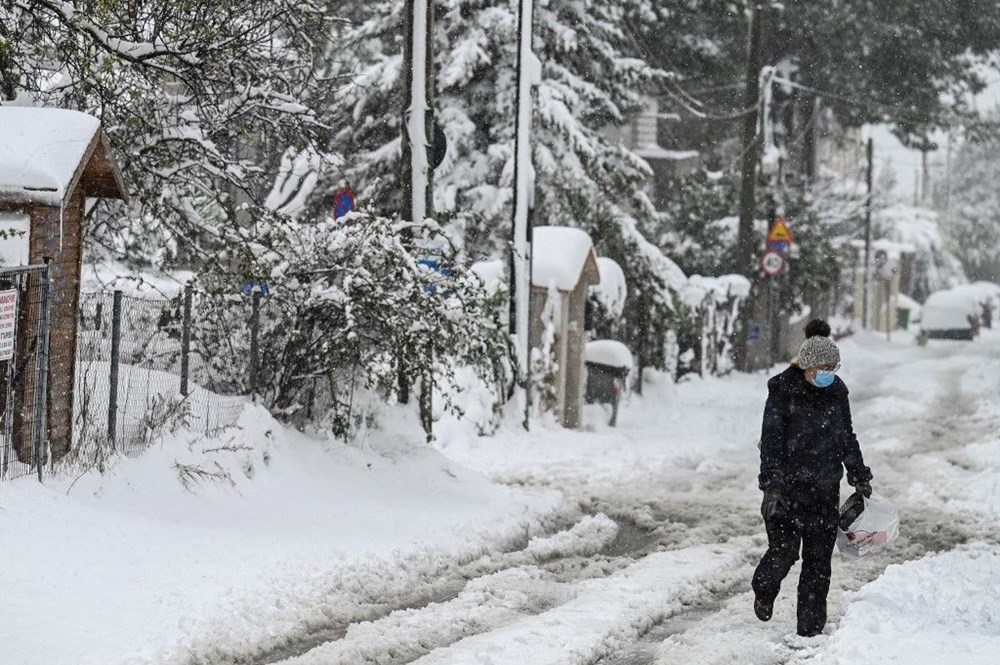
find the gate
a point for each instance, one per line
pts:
(24, 366)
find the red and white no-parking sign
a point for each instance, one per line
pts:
(772, 263)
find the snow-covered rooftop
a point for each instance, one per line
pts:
(41, 151)
(558, 256)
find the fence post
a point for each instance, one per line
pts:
(255, 343)
(116, 350)
(42, 369)
(186, 341)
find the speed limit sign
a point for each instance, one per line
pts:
(772, 263)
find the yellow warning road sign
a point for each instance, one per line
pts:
(779, 232)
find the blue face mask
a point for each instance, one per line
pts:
(824, 378)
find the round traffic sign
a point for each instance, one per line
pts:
(772, 263)
(343, 202)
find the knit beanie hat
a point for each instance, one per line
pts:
(818, 351)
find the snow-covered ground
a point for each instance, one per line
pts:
(614, 545)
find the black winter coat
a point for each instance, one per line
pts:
(807, 437)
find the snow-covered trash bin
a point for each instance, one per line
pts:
(608, 364)
(866, 524)
(907, 311)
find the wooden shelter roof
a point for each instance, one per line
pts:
(47, 153)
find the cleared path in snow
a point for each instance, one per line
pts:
(914, 408)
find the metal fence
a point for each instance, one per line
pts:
(24, 346)
(143, 364)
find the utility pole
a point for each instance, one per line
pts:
(529, 75)
(925, 182)
(417, 181)
(416, 175)
(744, 240)
(868, 238)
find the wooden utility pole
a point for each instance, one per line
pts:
(868, 239)
(748, 177)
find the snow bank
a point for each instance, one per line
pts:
(940, 609)
(229, 541)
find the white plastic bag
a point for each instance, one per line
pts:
(876, 526)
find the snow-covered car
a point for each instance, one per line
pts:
(951, 314)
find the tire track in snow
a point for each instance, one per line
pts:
(721, 628)
(517, 593)
(551, 561)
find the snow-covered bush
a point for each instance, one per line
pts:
(355, 307)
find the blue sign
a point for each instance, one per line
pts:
(753, 332)
(262, 287)
(434, 263)
(782, 247)
(343, 202)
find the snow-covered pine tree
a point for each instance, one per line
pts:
(584, 178)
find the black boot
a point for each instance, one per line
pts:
(763, 610)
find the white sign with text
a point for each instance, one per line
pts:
(8, 323)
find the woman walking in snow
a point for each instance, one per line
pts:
(806, 441)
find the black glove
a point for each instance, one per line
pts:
(773, 505)
(864, 488)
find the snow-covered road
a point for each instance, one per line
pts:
(666, 581)
(612, 546)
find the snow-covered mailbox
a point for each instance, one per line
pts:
(563, 268)
(51, 161)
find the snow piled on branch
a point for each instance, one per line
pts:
(612, 291)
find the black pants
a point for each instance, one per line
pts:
(810, 521)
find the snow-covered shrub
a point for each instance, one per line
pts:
(355, 307)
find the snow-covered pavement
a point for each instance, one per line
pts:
(620, 546)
